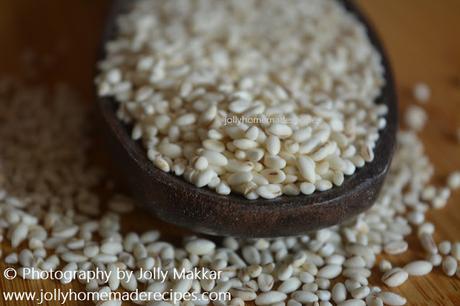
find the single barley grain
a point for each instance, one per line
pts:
(421, 92)
(449, 265)
(445, 247)
(418, 268)
(453, 181)
(395, 277)
(271, 297)
(415, 117)
(339, 292)
(392, 299)
(352, 302)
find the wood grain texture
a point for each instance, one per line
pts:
(421, 37)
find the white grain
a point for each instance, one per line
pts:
(395, 277)
(271, 297)
(449, 265)
(418, 268)
(392, 299)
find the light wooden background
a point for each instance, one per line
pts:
(423, 42)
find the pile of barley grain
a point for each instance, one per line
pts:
(49, 214)
(261, 98)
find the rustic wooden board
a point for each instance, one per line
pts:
(422, 38)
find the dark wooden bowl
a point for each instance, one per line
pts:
(174, 200)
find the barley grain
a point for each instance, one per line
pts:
(352, 302)
(449, 265)
(421, 92)
(271, 297)
(339, 293)
(304, 297)
(392, 299)
(418, 268)
(395, 277)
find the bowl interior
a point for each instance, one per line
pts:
(353, 184)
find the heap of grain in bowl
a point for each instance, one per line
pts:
(261, 98)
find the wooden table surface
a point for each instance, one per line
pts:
(423, 41)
